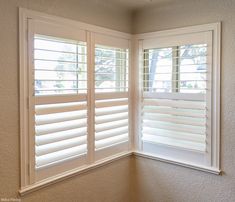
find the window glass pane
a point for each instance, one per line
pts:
(111, 69)
(176, 69)
(60, 66)
(158, 70)
(193, 63)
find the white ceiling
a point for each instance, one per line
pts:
(134, 4)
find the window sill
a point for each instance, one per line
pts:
(38, 185)
(52, 180)
(184, 164)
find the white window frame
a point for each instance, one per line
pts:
(160, 38)
(27, 185)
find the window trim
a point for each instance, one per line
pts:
(25, 14)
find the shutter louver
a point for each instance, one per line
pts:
(111, 91)
(60, 74)
(173, 98)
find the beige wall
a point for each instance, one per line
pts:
(107, 184)
(104, 184)
(125, 180)
(156, 181)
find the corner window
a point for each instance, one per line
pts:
(84, 100)
(177, 88)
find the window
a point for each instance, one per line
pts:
(177, 87)
(76, 92)
(86, 101)
(179, 72)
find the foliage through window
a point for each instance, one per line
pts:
(175, 69)
(60, 66)
(111, 69)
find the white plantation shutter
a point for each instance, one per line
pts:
(60, 100)
(78, 98)
(175, 104)
(111, 101)
(79, 102)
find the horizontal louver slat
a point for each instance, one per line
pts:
(63, 135)
(175, 111)
(175, 143)
(111, 103)
(175, 119)
(112, 125)
(112, 110)
(108, 142)
(65, 107)
(111, 133)
(111, 118)
(57, 127)
(57, 146)
(175, 103)
(173, 134)
(177, 127)
(60, 155)
(55, 118)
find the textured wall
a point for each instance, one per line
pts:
(156, 181)
(150, 181)
(104, 184)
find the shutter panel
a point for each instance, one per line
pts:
(175, 84)
(111, 93)
(60, 87)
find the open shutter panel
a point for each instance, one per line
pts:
(174, 92)
(111, 97)
(60, 87)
